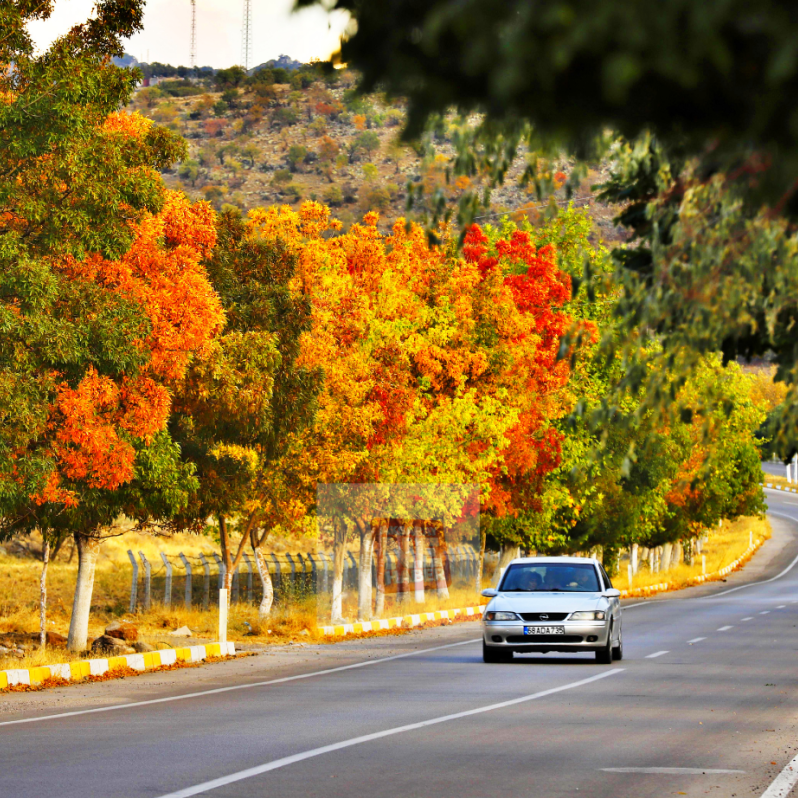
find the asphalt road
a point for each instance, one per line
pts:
(704, 703)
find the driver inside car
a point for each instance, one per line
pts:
(530, 580)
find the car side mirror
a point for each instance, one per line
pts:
(612, 593)
(490, 592)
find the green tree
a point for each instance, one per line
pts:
(189, 171)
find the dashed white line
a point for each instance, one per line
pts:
(725, 628)
(765, 612)
(214, 784)
(781, 606)
(673, 771)
(749, 618)
(656, 654)
(696, 640)
(783, 783)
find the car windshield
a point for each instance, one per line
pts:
(550, 577)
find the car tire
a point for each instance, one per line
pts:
(492, 654)
(617, 651)
(604, 654)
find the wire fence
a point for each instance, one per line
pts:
(195, 581)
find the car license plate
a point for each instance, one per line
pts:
(544, 630)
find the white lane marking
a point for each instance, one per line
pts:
(696, 640)
(655, 654)
(781, 606)
(367, 738)
(725, 628)
(765, 612)
(783, 783)
(749, 618)
(247, 686)
(674, 771)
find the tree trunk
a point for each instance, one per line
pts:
(507, 554)
(339, 555)
(43, 595)
(382, 545)
(418, 569)
(266, 602)
(364, 571)
(633, 557)
(440, 574)
(224, 540)
(483, 537)
(403, 587)
(88, 547)
(666, 556)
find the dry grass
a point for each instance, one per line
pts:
(725, 545)
(298, 622)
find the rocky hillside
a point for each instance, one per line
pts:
(262, 143)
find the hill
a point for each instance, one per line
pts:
(279, 137)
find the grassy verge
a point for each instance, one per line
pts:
(297, 622)
(725, 544)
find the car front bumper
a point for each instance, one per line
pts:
(579, 636)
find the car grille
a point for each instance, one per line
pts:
(533, 640)
(544, 616)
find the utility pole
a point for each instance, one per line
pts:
(246, 34)
(193, 48)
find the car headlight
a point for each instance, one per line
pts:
(593, 615)
(501, 616)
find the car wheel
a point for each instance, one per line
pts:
(494, 654)
(617, 651)
(604, 654)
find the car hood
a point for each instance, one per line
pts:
(547, 602)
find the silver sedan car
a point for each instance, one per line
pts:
(552, 604)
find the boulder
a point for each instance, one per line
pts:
(183, 631)
(122, 630)
(142, 648)
(108, 645)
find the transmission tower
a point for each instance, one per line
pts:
(193, 52)
(246, 34)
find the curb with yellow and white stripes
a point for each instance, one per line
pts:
(74, 671)
(401, 622)
(696, 580)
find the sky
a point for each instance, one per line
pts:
(310, 33)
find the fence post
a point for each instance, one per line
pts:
(234, 597)
(147, 580)
(206, 582)
(248, 563)
(314, 573)
(187, 566)
(167, 593)
(293, 570)
(703, 565)
(135, 582)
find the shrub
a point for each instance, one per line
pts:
(281, 177)
(333, 196)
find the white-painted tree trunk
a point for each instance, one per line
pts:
(403, 592)
(339, 556)
(506, 556)
(418, 561)
(43, 595)
(667, 550)
(265, 606)
(364, 573)
(440, 574)
(481, 562)
(382, 545)
(634, 552)
(88, 548)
